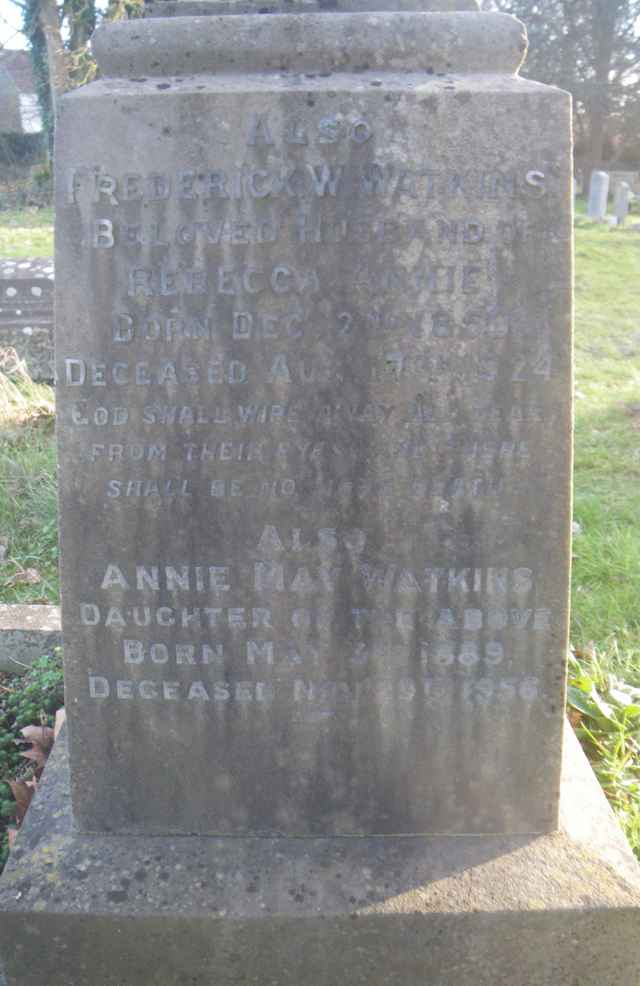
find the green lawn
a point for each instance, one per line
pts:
(607, 447)
(26, 234)
(605, 678)
(28, 523)
(605, 673)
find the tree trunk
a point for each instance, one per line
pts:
(81, 18)
(597, 135)
(58, 70)
(604, 17)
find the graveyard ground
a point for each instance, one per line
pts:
(26, 234)
(605, 668)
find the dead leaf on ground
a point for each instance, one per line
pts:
(23, 792)
(41, 739)
(29, 576)
(61, 718)
(575, 718)
(43, 736)
(26, 576)
(587, 653)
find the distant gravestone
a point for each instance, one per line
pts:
(313, 352)
(598, 196)
(621, 202)
(26, 313)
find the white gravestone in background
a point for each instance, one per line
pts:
(598, 196)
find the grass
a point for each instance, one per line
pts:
(28, 523)
(28, 233)
(605, 666)
(605, 676)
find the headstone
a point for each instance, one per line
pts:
(314, 384)
(314, 432)
(631, 178)
(621, 202)
(598, 196)
(26, 313)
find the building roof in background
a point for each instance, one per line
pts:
(18, 65)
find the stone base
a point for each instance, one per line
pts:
(556, 910)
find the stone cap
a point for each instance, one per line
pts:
(399, 41)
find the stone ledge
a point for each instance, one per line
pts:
(27, 631)
(200, 8)
(444, 911)
(401, 41)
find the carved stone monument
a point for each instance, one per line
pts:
(313, 354)
(314, 429)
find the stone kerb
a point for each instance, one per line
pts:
(27, 632)
(26, 313)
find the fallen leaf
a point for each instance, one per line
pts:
(575, 717)
(28, 576)
(35, 754)
(61, 718)
(42, 736)
(23, 792)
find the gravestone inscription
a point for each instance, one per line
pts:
(313, 370)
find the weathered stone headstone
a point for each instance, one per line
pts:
(313, 358)
(598, 196)
(621, 201)
(314, 431)
(26, 313)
